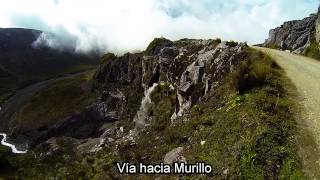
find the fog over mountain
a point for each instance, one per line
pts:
(125, 25)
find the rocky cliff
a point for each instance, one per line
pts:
(190, 68)
(186, 70)
(189, 100)
(296, 35)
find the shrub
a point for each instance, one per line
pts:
(232, 43)
(251, 73)
(156, 45)
(107, 57)
(313, 50)
(259, 73)
(196, 109)
(273, 46)
(216, 42)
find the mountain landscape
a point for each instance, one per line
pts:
(249, 112)
(23, 63)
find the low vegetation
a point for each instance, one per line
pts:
(55, 102)
(313, 50)
(246, 126)
(11, 82)
(273, 46)
(232, 43)
(6, 167)
(155, 44)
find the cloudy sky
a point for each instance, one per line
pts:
(127, 25)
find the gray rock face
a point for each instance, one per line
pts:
(209, 65)
(125, 85)
(55, 145)
(295, 35)
(189, 66)
(169, 52)
(175, 156)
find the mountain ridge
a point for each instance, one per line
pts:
(22, 64)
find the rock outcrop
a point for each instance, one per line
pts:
(125, 85)
(295, 35)
(190, 67)
(175, 156)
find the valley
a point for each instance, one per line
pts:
(68, 111)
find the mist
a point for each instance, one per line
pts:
(125, 25)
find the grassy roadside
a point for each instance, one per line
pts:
(312, 51)
(307, 148)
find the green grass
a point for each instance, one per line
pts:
(250, 133)
(252, 73)
(313, 50)
(273, 46)
(20, 68)
(55, 102)
(248, 125)
(10, 84)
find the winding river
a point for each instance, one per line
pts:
(13, 147)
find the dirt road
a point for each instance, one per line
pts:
(305, 74)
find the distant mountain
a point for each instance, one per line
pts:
(22, 64)
(299, 36)
(17, 38)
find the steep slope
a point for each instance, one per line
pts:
(35, 109)
(191, 67)
(22, 64)
(221, 103)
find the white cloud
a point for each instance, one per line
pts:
(127, 25)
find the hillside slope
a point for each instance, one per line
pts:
(191, 100)
(22, 64)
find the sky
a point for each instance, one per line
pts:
(129, 25)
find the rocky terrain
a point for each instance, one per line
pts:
(189, 67)
(299, 36)
(124, 84)
(189, 100)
